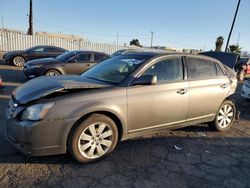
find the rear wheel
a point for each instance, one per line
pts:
(18, 61)
(93, 139)
(225, 116)
(52, 73)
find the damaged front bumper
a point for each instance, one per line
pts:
(37, 138)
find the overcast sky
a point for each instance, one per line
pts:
(175, 23)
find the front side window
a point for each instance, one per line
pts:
(67, 56)
(167, 70)
(41, 49)
(83, 58)
(200, 69)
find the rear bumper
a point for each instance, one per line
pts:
(40, 137)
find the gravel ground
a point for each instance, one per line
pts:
(195, 156)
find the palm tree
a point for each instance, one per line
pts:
(235, 48)
(135, 42)
(219, 43)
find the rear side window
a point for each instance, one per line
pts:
(100, 57)
(54, 49)
(200, 69)
(84, 58)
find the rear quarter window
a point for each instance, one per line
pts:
(199, 69)
(220, 72)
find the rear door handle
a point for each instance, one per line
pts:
(182, 91)
(224, 86)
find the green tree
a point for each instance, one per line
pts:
(135, 42)
(219, 43)
(235, 48)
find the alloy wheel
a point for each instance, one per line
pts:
(18, 61)
(225, 116)
(95, 140)
(52, 73)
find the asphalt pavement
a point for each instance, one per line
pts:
(196, 156)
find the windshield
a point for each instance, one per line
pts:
(115, 70)
(66, 56)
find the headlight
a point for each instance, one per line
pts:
(36, 112)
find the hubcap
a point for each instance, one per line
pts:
(95, 140)
(19, 61)
(52, 74)
(225, 116)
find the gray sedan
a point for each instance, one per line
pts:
(121, 98)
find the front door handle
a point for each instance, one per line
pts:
(182, 91)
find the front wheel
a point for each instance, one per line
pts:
(225, 116)
(52, 73)
(93, 139)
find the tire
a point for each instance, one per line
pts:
(18, 61)
(52, 73)
(225, 116)
(86, 144)
(241, 75)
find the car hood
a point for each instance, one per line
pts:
(43, 86)
(14, 53)
(42, 61)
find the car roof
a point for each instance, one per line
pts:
(160, 54)
(47, 46)
(88, 51)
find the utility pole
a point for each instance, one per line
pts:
(238, 38)
(30, 30)
(235, 15)
(2, 23)
(152, 36)
(117, 39)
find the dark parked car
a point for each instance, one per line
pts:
(74, 62)
(18, 58)
(120, 98)
(124, 51)
(227, 58)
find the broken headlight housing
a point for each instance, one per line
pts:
(36, 112)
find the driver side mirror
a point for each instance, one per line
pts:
(145, 80)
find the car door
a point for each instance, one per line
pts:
(79, 63)
(208, 86)
(160, 105)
